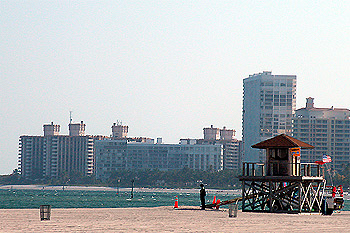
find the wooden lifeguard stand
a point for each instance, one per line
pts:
(282, 184)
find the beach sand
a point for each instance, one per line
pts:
(167, 219)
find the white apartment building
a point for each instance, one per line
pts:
(52, 155)
(232, 147)
(327, 129)
(30, 161)
(269, 102)
(124, 154)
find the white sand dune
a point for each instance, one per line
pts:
(167, 219)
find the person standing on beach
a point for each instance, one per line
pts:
(202, 195)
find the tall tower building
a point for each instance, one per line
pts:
(53, 155)
(269, 102)
(327, 129)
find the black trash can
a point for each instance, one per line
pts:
(45, 212)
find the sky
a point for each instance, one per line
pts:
(164, 68)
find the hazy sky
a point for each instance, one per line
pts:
(165, 68)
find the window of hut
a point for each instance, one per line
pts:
(279, 154)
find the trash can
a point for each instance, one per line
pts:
(230, 209)
(45, 212)
(233, 208)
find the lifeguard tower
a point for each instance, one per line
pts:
(282, 184)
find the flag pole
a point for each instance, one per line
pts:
(329, 172)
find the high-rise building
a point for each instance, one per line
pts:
(232, 147)
(327, 129)
(269, 102)
(53, 155)
(30, 158)
(68, 154)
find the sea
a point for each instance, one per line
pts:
(28, 199)
(31, 199)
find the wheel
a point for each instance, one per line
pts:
(329, 211)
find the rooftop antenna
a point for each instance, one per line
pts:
(70, 117)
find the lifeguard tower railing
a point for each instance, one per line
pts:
(264, 189)
(298, 169)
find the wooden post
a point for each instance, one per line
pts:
(243, 196)
(243, 170)
(270, 195)
(300, 195)
(132, 188)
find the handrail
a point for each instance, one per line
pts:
(274, 168)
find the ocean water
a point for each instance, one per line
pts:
(28, 199)
(25, 199)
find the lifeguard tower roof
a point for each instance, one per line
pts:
(282, 141)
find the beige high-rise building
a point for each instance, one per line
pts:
(327, 129)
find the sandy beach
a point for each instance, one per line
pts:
(167, 219)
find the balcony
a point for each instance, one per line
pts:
(276, 169)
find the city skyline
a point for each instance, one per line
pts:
(165, 69)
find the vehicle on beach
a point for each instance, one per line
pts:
(333, 199)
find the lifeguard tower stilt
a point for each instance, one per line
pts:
(282, 184)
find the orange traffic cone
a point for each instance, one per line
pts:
(176, 203)
(217, 204)
(214, 201)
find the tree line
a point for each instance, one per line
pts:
(184, 178)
